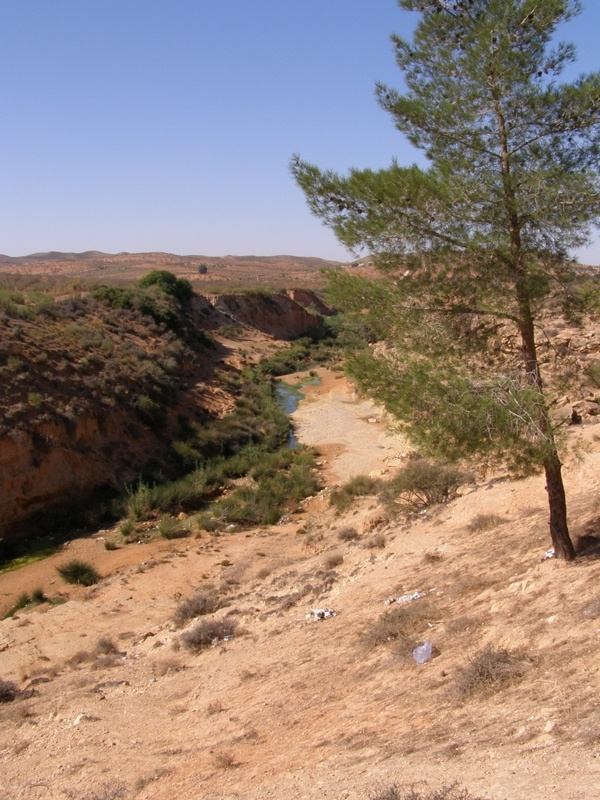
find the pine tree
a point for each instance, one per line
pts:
(483, 233)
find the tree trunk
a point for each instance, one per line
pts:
(559, 530)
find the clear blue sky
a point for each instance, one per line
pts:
(145, 125)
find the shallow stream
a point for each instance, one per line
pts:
(289, 396)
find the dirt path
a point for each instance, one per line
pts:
(350, 432)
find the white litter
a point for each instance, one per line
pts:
(321, 613)
(423, 653)
(406, 598)
(549, 554)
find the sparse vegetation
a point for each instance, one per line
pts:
(401, 624)
(25, 600)
(489, 670)
(78, 572)
(196, 606)
(105, 646)
(360, 486)
(225, 760)
(592, 610)
(333, 560)
(422, 483)
(8, 691)
(485, 522)
(375, 542)
(207, 632)
(348, 534)
(172, 528)
(397, 792)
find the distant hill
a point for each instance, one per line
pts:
(208, 271)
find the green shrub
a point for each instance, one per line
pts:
(168, 283)
(126, 528)
(422, 483)
(152, 414)
(171, 528)
(359, 486)
(78, 572)
(38, 596)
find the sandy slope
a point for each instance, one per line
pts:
(291, 708)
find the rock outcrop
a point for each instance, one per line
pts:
(274, 314)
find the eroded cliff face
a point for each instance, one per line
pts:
(276, 315)
(39, 468)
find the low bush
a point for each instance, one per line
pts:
(206, 633)
(397, 792)
(105, 646)
(489, 670)
(126, 528)
(8, 691)
(333, 560)
(172, 528)
(348, 534)
(24, 600)
(402, 624)
(197, 606)
(78, 572)
(422, 483)
(360, 486)
(375, 542)
(485, 522)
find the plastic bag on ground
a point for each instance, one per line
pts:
(423, 652)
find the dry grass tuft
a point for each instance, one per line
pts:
(216, 707)
(224, 759)
(206, 633)
(197, 606)
(105, 646)
(263, 573)
(485, 522)
(432, 557)
(462, 624)
(348, 534)
(396, 792)
(333, 560)
(104, 792)
(489, 670)
(401, 624)
(167, 666)
(592, 610)
(376, 542)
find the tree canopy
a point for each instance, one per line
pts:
(484, 232)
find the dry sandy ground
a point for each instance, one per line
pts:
(349, 430)
(300, 709)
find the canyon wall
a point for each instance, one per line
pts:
(44, 464)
